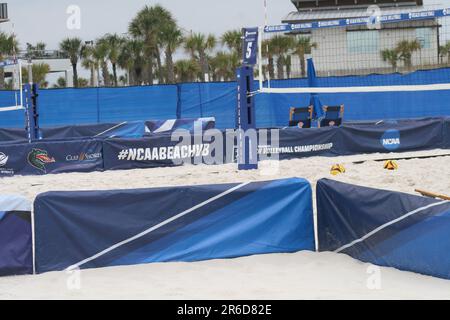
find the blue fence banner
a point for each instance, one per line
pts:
(51, 157)
(155, 151)
(16, 254)
(172, 224)
(385, 228)
(392, 136)
(219, 99)
(297, 143)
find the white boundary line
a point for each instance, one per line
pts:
(384, 226)
(115, 127)
(149, 230)
(356, 89)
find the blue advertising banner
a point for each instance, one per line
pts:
(297, 143)
(391, 136)
(189, 223)
(390, 18)
(250, 49)
(16, 254)
(385, 228)
(51, 157)
(156, 151)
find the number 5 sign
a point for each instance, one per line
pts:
(250, 46)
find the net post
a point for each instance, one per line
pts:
(31, 111)
(245, 121)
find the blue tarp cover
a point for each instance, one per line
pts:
(16, 257)
(385, 228)
(172, 224)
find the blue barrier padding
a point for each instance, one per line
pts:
(52, 157)
(160, 150)
(153, 151)
(447, 132)
(386, 228)
(173, 224)
(392, 136)
(16, 257)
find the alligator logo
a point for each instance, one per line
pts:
(39, 158)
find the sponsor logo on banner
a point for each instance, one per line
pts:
(39, 158)
(164, 153)
(84, 157)
(391, 140)
(3, 162)
(294, 149)
(3, 159)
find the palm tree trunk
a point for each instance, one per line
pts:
(159, 65)
(105, 74)
(280, 67)
(170, 67)
(302, 65)
(92, 76)
(204, 65)
(2, 78)
(75, 75)
(151, 78)
(114, 67)
(271, 68)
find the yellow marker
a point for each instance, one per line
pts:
(337, 169)
(391, 165)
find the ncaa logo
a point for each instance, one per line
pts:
(3, 159)
(391, 140)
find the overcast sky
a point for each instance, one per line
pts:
(46, 20)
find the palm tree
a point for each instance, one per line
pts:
(267, 53)
(35, 51)
(198, 45)
(147, 26)
(40, 71)
(233, 40)
(100, 55)
(406, 49)
(304, 46)
(8, 47)
(280, 46)
(91, 63)
(171, 38)
(113, 44)
(132, 58)
(72, 47)
(391, 56)
(60, 83)
(186, 70)
(445, 51)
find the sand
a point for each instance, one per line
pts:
(304, 275)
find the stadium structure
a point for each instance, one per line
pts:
(362, 44)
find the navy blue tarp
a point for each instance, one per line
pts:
(172, 224)
(386, 228)
(52, 157)
(390, 136)
(16, 257)
(447, 132)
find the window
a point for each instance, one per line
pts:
(363, 41)
(425, 37)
